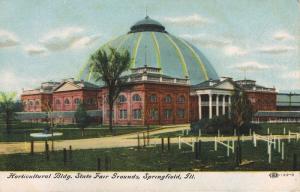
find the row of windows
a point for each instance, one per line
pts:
(137, 114)
(153, 98)
(77, 101)
(31, 103)
(168, 113)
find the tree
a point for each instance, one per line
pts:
(82, 118)
(241, 114)
(108, 68)
(8, 107)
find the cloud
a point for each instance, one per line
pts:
(68, 37)
(8, 39)
(251, 66)
(276, 49)
(190, 20)
(34, 50)
(10, 81)
(85, 41)
(292, 75)
(282, 35)
(232, 50)
(206, 40)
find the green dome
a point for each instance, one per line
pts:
(149, 44)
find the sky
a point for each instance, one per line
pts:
(42, 40)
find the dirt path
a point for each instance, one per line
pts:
(126, 140)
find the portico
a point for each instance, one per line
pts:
(214, 98)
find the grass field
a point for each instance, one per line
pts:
(153, 159)
(21, 135)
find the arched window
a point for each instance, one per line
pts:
(122, 99)
(181, 99)
(67, 102)
(30, 103)
(168, 99)
(37, 102)
(153, 98)
(136, 97)
(77, 101)
(57, 101)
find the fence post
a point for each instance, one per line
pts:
(270, 153)
(232, 145)
(284, 131)
(31, 147)
(218, 132)
(70, 153)
(162, 144)
(295, 162)
(289, 136)
(199, 132)
(179, 142)
(144, 139)
(268, 131)
(278, 147)
(227, 148)
(47, 150)
(274, 143)
(98, 164)
(199, 149)
(250, 132)
(148, 136)
(254, 139)
(138, 140)
(65, 156)
(169, 144)
(196, 150)
(282, 150)
(234, 132)
(216, 146)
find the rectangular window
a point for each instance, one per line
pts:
(137, 114)
(168, 114)
(154, 114)
(123, 114)
(180, 113)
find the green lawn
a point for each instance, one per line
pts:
(152, 159)
(24, 135)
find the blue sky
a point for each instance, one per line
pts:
(43, 40)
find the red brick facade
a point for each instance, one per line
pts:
(150, 103)
(262, 101)
(36, 102)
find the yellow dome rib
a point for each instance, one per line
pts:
(157, 51)
(198, 59)
(135, 49)
(180, 55)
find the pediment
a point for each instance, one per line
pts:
(226, 85)
(68, 86)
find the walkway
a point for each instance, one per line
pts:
(126, 140)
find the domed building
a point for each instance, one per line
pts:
(169, 82)
(150, 44)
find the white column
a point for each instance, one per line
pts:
(217, 105)
(200, 106)
(223, 105)
(210, 105)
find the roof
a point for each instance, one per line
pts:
(250, 85)
(80, 85)
(175, 57)
(213, 84)
(147, 24)
(289, 114)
